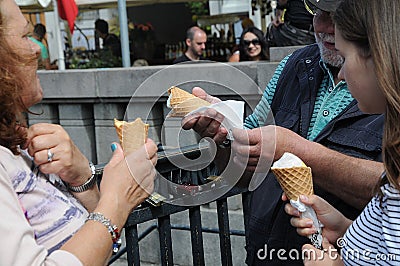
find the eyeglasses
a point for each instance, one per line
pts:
(254, 42)
(312, 9)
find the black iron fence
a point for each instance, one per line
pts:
(161, 215)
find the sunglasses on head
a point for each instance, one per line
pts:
(254, 42)
(312, 9)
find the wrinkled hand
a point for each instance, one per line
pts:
(329, 256)
(129, 180)
(252, 146)
(207, 123)
(258, 148)
(335, 223)
(68, 162)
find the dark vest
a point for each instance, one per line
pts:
(351, 132)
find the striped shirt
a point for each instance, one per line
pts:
(374, 237)
(331, 100)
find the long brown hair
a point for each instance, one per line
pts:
(372, 25)
(11, 86)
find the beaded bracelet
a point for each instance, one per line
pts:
(112, 228)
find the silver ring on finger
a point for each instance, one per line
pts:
(50, 156)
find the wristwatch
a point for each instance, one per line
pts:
(88, 184)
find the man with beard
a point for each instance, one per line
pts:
(196, 40)
(317, 119)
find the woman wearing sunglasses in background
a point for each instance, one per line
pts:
(252, 47)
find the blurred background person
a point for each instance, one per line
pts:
(196, 40)
(39, 31)
(292, 25)
(252, 46)
(111, 41)
(245, 23)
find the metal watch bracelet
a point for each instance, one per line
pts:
(88, 184)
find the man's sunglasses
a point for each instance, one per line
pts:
(254, 42)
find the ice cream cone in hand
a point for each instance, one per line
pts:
(183, 102)
(132, 135)
(295, 179)
(294, 176)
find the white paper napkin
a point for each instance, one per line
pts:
(232, 111)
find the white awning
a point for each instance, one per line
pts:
(32, 6)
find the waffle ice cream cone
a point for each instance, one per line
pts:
(293, 175)
(183, 102)
(295, 181)
(132, 135)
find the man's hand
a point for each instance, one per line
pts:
(207, 123)
(258, 148)
(252, 146)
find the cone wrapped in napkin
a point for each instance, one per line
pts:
(132, 136)
(295, 179)
(183, 102)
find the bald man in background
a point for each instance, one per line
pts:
(196, 40)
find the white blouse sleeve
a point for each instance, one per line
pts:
(17, 241)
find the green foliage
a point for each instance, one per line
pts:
(102, 59)
(199, 8)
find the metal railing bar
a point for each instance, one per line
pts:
(232, 232)
(224, 233)
(246, 200)
(208, 230)
(148, 213)
(164, 232)
(132, 241)
(122, 251)
(144, 214)
(196, 233)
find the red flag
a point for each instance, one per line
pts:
(68, 11)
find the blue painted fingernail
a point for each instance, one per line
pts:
(113, 147)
